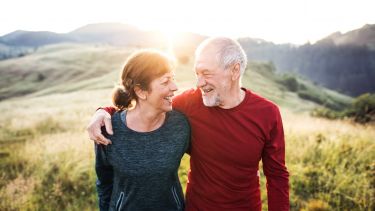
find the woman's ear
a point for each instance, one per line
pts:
(141, 94)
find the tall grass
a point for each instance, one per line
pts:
(47, 160)
(331, 163)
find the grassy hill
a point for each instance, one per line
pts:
(47, 159)
(62, 64)
(343, 62)
(71, 67)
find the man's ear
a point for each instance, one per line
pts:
(235, 72)
(141, 94)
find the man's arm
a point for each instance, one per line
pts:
(104, 182)
(274, 168)
(102, 117)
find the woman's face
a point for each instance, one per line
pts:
(161, 92)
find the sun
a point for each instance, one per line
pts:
(170, 36)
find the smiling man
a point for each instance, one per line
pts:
(232, 130)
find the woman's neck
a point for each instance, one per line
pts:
(144, 120)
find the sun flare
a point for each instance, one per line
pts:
(290, 21)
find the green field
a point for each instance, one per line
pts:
(47, 160)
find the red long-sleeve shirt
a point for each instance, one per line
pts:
(226, 147)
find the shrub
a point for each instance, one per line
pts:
(290, 82)
(363, 108)
(304, 94)
(326, 113)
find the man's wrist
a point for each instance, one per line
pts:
(110, 110)
(102, 111)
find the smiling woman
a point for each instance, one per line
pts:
(140, 72)
(138, 171)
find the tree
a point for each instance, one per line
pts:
(363, 108)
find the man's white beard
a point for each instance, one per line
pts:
(211, 101)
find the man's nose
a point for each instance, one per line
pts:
(201, 81)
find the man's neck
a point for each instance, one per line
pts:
(233, 98)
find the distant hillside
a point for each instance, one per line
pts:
(342, 62)
(7, 52)
(364, 36)
(33, 39)
(290, 91)
(117, 34)
(73, 67)
(337, 62)
(53, 65)
(108, 33)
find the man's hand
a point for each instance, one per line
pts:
(100, 118)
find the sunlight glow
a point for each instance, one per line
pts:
(292, 21)
(170, 35)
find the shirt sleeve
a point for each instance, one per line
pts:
(110, 110)
(181, 102)
(274, 168)
(104, 173)
(188, 139)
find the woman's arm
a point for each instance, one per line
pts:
(104, 172)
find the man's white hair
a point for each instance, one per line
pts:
(228, 52)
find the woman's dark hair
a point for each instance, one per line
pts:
(140, 69)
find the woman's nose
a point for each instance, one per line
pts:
(173, 86)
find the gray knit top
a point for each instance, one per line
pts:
(138, 171)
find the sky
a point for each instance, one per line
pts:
(279, 21)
